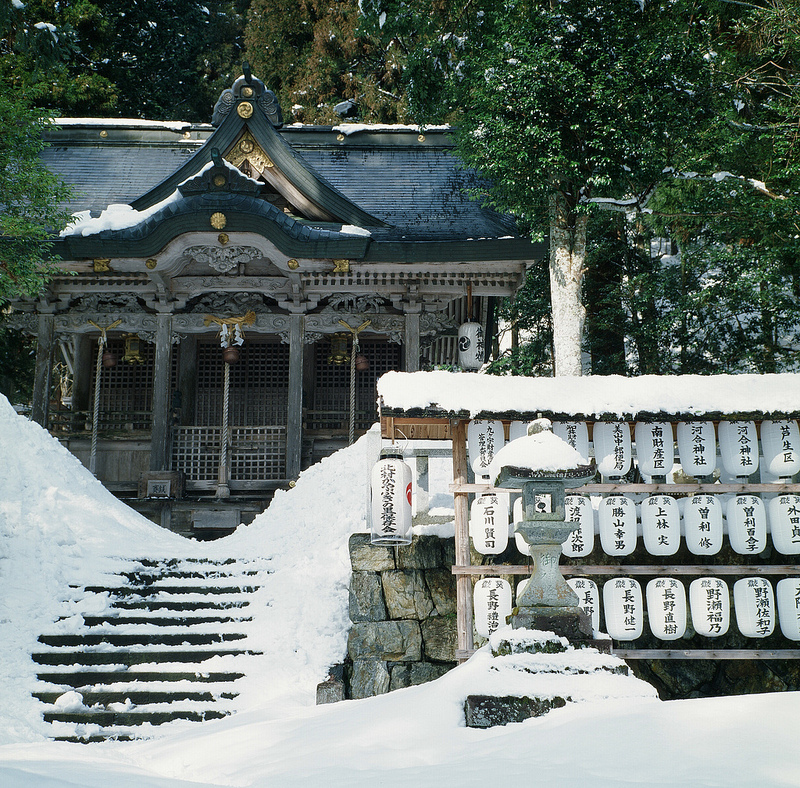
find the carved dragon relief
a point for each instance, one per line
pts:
(223, 258)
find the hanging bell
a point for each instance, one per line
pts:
(362, 362)
(109, 359)
(230, 355)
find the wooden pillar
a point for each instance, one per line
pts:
(461, 506)
(82, 374)
(187, 378)
(294, 416)
(159, 451)
(43, 369)
(412, 342)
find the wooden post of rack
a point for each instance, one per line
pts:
(461, 507)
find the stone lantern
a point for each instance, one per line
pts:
(543, 465)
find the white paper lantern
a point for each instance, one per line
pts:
(612, 447)
(738, 447)
(655, 448)
(492, 604)
(488, 523)
(784, 523)
(471, 345)
(521, 586)
(661, 525)
(578, 509)
(780, 441)
(517, 429)
(484, 440)
(522, 545)
(617, 525)
(390, 490)
(787, 592)
(666, 608)
(588, 599)
(754, 604)
(622, 607)
(710, 605)
(575, 433)
(702, 524)
(697, 447)
(747, 524)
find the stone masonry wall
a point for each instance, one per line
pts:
(403, 609)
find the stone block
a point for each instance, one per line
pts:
(413, 673)
(442, 586)
(394, 641)
(365, 557)
(424, 552)
(330, 692)
(486, 711)
(439, 638)
(406, 594)
(366, 597)
(368, 677)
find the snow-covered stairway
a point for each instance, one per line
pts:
(157, 642)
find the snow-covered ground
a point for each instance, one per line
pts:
(59, 526)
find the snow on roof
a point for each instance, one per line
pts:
(459, 392)
(354, 128)
(135, 123)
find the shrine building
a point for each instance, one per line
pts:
(285, 242)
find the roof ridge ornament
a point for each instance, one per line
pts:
(220, 176)
(247, 94)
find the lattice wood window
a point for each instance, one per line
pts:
(126, 390)
(331, 390)
(259, 383)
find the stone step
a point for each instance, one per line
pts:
(139, 697)
(162, 621)
(93, 678)
(148, 578)
(157, 639)
(132, 718)
(143, 657)
(124, 591)
(201, 604)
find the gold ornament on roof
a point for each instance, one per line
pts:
(218, 220)
(247, 92)
(220, 180)
(223, 238)
(341, 266)
(101, 264)
(151, 263)
(245, 110)
(247, 149)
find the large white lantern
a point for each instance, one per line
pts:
(617, 525)
(788, 593)
(661, 525)
(697, 447)
(484, 439)
(622, 607)
(710, 605)
(488, 523)
(780, 441)
(666, 608)
(578, 509)
(518, 517)
(575, 433)
(738, 447)
(784, 523)
(612, 447)
(702, 524)
(754, 604)
(747, 524)
(471, 345)
(655, 449)
(517, 429)
(492, 604)
(588, 599)
(391, 499)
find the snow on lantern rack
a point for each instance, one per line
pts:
(702, 503)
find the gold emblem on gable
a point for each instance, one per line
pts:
(247, 149)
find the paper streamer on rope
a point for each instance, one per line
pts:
(661, 525)
(747, 524)
(754, 604)
(655, 448)
(578, 509)
(702, 524)
(666, 608)
(780, 441)
(492, 604)
(710, 604)
(588, 599)
(617, 525)
(612, 448)
(697, 447)
(622, 608)
(784, 523)
(787, 592)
